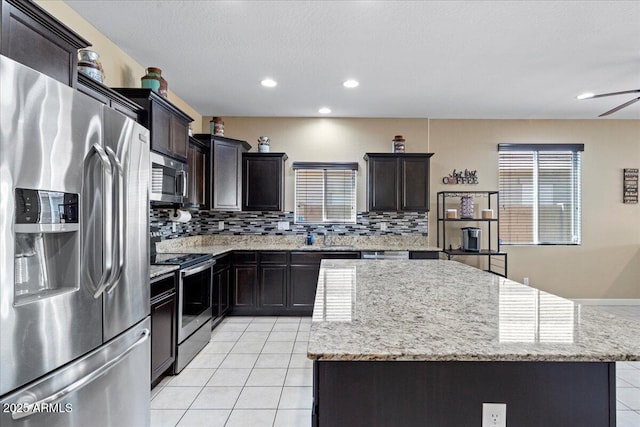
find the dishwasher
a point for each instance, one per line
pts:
(385, 255)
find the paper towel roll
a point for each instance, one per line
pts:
(179, 215)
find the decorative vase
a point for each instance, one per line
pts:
(397, 145)
(216, 126)
(89, 66)
(263, 144)
(153, 80)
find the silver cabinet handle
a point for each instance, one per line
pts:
(197, 269)
(82, 382)
(119, 232)
(107, 230)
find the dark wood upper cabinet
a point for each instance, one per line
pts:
(168, 125)
(263, 181)
(226, 171)
(31, 36)
(398, 182)
(198, 177)
(108, 97)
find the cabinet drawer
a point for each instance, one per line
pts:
(273, 257)
(241, 257)
(424, 255)
(340, 255)
(306, 257)
(316, 257)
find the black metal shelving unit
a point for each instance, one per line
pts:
(496, 259)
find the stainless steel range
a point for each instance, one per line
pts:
(194, 302)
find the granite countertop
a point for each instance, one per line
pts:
(219, 245)
(159, 270)
(436, 310)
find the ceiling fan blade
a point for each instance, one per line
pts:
(620, 107)
(614, 93)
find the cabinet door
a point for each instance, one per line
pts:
(160, 129)
(34, 38)
(383, 184)
(414, 184)
(179, 137)
(273, 286)
(303, 283)
(163, 335)
(245, 285)
(197, 161)
(225, 291)
(226, 165)
(262, 184)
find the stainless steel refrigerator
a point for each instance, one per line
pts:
(74, 295)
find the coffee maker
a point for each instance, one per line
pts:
(471, 237)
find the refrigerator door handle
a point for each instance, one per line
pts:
(31, 408)
(107, 188)
(119, 232)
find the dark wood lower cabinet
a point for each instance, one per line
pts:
(302, 289)
(273, 286)
(245, 281)
(221, 292)
(278, 283)
(163, 334)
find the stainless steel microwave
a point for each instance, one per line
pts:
(168, 179)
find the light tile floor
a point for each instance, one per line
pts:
(255, 373)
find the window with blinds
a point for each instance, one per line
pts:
(325, 193)
(540, 194)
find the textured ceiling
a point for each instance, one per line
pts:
(438, 59)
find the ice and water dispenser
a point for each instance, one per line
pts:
(46, 244)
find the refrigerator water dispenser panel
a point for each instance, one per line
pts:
(45, 207)
(46, 244)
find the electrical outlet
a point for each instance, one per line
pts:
(220, 225)
(283, 225)
(526, 281)
(383, 226)
(494, 415)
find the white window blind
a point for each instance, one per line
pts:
(540, 194)
(325, 195)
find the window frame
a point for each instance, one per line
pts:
(326, 168)
(575, 190)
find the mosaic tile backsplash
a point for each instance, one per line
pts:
(266, 223)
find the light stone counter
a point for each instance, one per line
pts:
(159, 270)
(435, 310)
(218, 245)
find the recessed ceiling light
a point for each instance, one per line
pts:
(586, 95)
(324, 110)
(269, 83)
(351, 83)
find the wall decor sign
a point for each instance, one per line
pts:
(630, 186)
(461, 177)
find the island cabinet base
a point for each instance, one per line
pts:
(451, 394)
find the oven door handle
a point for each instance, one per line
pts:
(197, 269)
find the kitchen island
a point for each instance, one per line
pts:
(426, 343)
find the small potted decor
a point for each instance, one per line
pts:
(263, 144)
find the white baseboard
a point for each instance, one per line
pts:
(608, 301)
